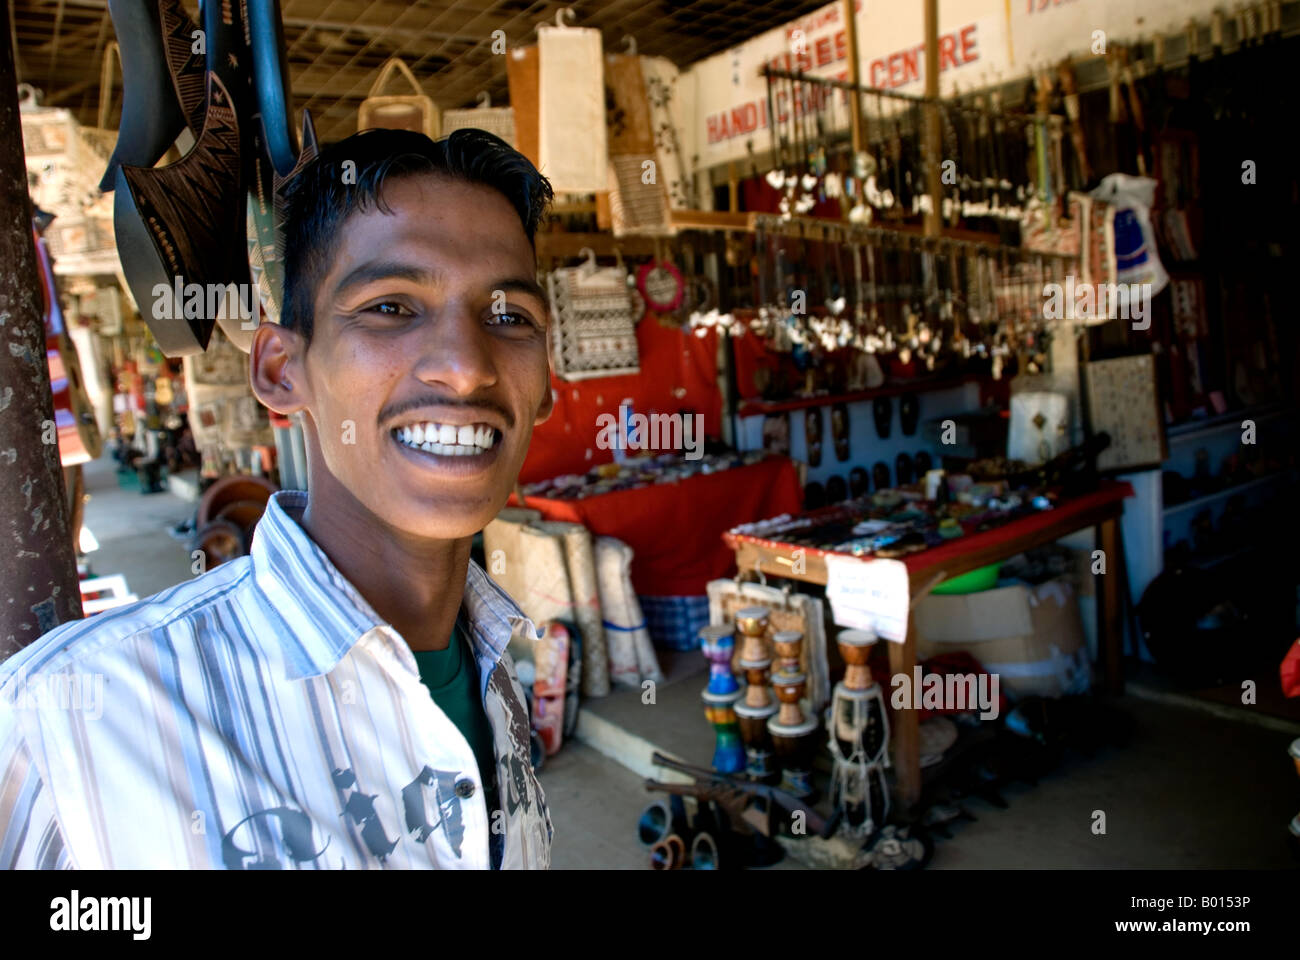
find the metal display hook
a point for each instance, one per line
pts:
(564, 18)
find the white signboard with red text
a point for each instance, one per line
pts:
(731, 96)
(981, 42)
(1046, 31)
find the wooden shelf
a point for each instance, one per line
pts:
(1192, 429)
(747, 223)
(1225, 492)
(756, 408)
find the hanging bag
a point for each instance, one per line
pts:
(495, 120)
(406, 111)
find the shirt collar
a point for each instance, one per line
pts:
(325, 615)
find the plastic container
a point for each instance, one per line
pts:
(982, 578)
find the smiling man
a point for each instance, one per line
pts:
(342, 697)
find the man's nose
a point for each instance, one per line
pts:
(456, 351)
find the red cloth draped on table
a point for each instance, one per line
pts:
(670, 359)
(676, 528)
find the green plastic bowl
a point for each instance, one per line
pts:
(982, 578)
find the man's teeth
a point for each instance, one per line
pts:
(447, 440)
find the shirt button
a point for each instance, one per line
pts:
(465, 789)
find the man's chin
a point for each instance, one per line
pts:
(440, 519)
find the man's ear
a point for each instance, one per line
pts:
(548, 402)
(276, 368)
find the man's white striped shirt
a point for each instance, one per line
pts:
(261, 716)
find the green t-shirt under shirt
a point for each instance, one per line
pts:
(451, 677)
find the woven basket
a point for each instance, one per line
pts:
(406, 111)
(495, 120)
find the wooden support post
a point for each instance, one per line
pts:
(933, 138)
(855, 76)
(907, 724)
(1110, 612)
(38, 568)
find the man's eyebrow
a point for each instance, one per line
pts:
(521, 285)
(373, 270)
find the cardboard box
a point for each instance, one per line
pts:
(1032, 637)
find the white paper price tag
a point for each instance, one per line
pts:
(869, 595)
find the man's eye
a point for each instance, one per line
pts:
(511, 319)
(388, 309)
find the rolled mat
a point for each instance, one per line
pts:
(546, 593)
(581, 563)
(631, 655)
(501, 550)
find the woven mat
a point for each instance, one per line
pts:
(631, 129)
(664, 94)
(594, 333)
(571, 109)
(580, 563)
(495, 120)
(501, 549)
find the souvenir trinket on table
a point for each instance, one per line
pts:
(792, 733)
(859, 738)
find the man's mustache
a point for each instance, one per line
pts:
(405, 406)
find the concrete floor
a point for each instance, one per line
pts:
(131, 528)
(1193, 790)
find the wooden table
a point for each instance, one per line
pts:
(926, 569)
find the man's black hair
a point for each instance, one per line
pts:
(328, 190)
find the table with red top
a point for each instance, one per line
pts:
(676, 528)
(1101, 509)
